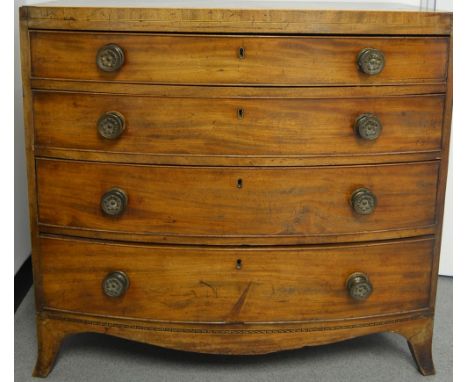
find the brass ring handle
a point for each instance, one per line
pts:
(114, 202)
(368, 126)
(363, 201)
(371, 61)
(110, 58)
(115, 284)
(358, 285)
(111, 125)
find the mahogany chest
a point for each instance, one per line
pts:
(235, 180)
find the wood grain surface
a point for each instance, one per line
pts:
(212, 127)
(305, 61)
(53, 327)
(198, 284)
(281, 21)
(207, 201)
(215, 92)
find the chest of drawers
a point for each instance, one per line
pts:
(235, 181)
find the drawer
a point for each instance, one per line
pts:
(243, 60)
(192, 127)
(194, 202)
(213, 284)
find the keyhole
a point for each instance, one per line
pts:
(240, 113)
(238, 264)
(241, 53)
(239, 183)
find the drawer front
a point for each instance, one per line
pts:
(235, 59)
(203, 284)
(237, 127)
(236, 202)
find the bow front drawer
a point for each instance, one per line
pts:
(236, 203)
(238, 60)
(242, 127)
(203, 284)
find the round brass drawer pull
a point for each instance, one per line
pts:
(363, 201)
(110, 58)
(115, 284)
(368, 126)
(371, 61)
(359, 286)
(111, 125)
(114, 202)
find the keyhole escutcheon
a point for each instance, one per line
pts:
(239, 183)
(241, 53)
(239, 264)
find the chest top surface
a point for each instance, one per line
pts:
(237, 4)
(244, 16)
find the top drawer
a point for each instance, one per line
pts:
(237, 60)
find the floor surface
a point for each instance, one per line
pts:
(375, 358)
